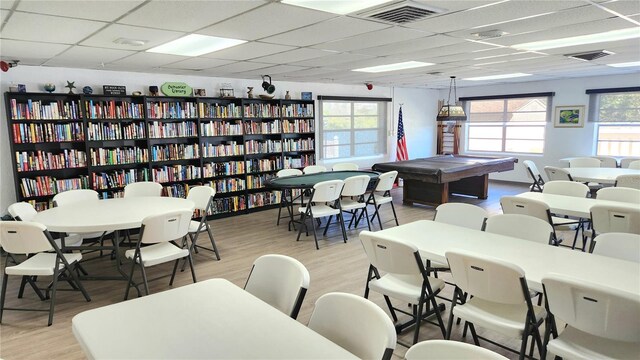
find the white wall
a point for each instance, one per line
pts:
(559, 142)
(419, 105)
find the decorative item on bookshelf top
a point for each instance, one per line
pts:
(49, 87)
(305, 95)
(87, 90)
(199, 92)
(176, 89)
(153, 90)
(115, 90)
(71, 86)
(226, 90)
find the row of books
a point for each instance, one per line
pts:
(220, 128)
(49, 185)
(118, 179)
(223, 168)
(115, 131)
(229, 204)
(118, 156)
(261, 147)
(176, 173)
(298, 126)
(160, 130)
(45, 160)
(262, 127)
(208, 110)
(259, 165)
(40, 133)
(41, 205)
(261, 110)
(176, 190)
(299, 162)
(175, 152)
(263, 199)
(113, 110)
(298, 144)
(172, 110)
(231, 148)
(258, 181)
(227, 185)
(294, 110)
(51, 110)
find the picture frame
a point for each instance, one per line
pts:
(306, 95)
(199, 92)
(569, 116)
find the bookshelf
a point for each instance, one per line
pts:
(103, 142)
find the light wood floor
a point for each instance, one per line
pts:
(241, 239)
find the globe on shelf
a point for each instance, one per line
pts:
(87, 90)
(49, 87)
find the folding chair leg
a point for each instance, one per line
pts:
(391, 310)
(213, 242)
(193, 272)
(438, 316)
(344, 232)
(525, 338)
(54, 289)
(394, 213)
(144, 278)
(175, 268)
(23, 282)
(324, 233)
(3, 294)
(79, 285)
(302, 223)
(366, 215)
(315, 236)
(130, 281)
(418, 316)
(473, 333)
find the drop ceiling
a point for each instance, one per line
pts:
(298, 44)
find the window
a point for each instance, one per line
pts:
(512, 124)
(352, 128)
(618, 127)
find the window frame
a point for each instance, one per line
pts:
(594, 116)
(382, 116)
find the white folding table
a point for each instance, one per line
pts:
(573, 206)
(599, 175)
(433, 239)
(212, 319)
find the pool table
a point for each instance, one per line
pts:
(430, 180)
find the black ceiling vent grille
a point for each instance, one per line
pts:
(591, 55)
(401, 12)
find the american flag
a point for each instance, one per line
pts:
(401, 151)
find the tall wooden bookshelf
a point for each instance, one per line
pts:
(102, 142)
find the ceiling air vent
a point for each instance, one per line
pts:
(591, 55)
(401, 12)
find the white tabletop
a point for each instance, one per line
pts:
(109, 214)
(599, 175)
(433, 239)
(212, 319)
(571, 205)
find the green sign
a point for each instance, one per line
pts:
(176, 89)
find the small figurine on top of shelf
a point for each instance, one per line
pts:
(199, 92)
(153, 90)
(87, 90)
(71, 86)
(250, 92)
(287, 96)
(49, 87)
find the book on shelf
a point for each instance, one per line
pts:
(46, 160)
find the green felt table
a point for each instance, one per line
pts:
(309, 180)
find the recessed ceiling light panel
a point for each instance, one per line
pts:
(615, 35)
(394, 67)
(497, 77)
(195, 45)
(626, 64)
(340, 7)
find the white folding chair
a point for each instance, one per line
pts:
(500, 299)
(280, 281)
(352, 197)
(202, 196)
(621, 194)
(287, 198)
(314, 169)
(23, 211)
(142, 188)
(634, 165)
(535, 208)
(556, 173)
(405, 278)
(520, 226)
(381, 195)
(618, 245)
(626, 161)
(581, 162)
(534, 174)
(607, 161)
(159, 232)
(601, 322)
(345, 167)
(629, 181)
(44, 259)
(355, 324)
(608, 218)
(324, 201)
(449, 350)
(461, 214)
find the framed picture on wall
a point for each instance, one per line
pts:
(569, 116)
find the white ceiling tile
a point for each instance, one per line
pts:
(4, 14)
(84, 56)
(104, 10)
(372, 39)
(631, 46)
(198, 63)
(143, 60)
(7, 4)
(487, 15)
(289, 57)
(152, 37)
(333, 59)
(26, 49)
(312, 72)
(186, 15)
(447, 53)
(236, 67)
(266, 21)
(45, 28)
(410, 46)
(624, 7)
(338, 28)
(274, 70)
(250, 50)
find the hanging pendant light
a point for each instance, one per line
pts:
(451, 112)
